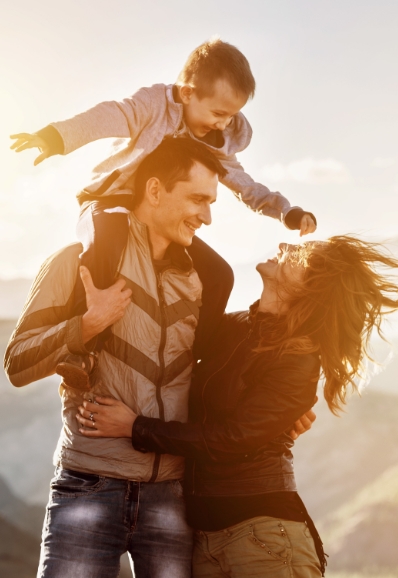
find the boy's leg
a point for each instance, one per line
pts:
(218, 279)
(103, 231)
(84, 532)
(161, 542)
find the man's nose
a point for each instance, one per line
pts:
(205, 215)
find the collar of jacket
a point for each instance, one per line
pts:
(237, 135)
(263, 323)
(176, 253)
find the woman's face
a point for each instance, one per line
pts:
(285, 268)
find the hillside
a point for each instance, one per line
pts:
(362, 534)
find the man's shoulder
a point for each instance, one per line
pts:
(62, 261)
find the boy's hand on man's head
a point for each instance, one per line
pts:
(25, 140)
(307, 225)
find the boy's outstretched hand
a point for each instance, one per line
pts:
(307, 225)
(25, 140)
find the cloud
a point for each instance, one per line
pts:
(308, 170)
(383, 162)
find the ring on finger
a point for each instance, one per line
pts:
(91, 416)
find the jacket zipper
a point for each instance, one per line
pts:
(203, 399)
(162, 345)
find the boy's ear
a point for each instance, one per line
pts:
(185, 91)
(152, 191)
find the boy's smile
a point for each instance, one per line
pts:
(213, 112)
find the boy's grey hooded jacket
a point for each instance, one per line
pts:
(142, 121)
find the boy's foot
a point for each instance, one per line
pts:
(76, 370)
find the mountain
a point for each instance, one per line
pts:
(19, 552)
(362, 534)
(340, 456)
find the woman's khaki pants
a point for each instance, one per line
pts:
(255, 548)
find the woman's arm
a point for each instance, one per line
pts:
(266, 410)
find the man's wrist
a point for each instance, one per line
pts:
(90, 327)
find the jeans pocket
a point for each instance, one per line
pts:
(271, 538)
(69, 483)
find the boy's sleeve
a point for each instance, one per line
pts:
(257, 196)
(110, 119)
(46, 332)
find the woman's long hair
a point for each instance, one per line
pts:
(343, 298)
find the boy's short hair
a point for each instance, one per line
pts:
(213, 60)
(171, 162)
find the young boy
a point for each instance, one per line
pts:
(204, 104)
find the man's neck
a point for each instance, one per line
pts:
(158, 243)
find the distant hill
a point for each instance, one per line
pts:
(19, 552)
(342, 455)
(362, 534)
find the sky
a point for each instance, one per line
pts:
(324, 116)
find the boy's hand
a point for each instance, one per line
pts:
(29, 141)
(307, 225)
(104, 306)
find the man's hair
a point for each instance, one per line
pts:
(215, 60)
(171, 162)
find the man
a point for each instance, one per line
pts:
(106, 498)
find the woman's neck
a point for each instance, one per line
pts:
(271, 302)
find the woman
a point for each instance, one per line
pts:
(319, 304)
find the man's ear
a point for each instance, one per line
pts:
(152, 191)
(185, 93)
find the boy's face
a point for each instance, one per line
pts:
(213, 112)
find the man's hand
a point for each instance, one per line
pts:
(104, 307)
(106, 418)
(307, 225)
(303, 424)
(29, 141)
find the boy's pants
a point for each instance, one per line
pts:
(257, 548)
(92, 520)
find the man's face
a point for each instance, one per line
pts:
(211, 112)
(186, 207)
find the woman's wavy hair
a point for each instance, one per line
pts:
(344, 297)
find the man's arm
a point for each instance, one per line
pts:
(47, 330)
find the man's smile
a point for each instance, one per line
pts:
(191, 227)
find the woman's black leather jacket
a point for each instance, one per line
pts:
(242, 403)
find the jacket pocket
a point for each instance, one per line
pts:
(69, 483)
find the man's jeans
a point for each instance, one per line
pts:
(92, 520)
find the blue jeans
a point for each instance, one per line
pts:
(92, 520)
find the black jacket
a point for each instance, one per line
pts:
(241, 405)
